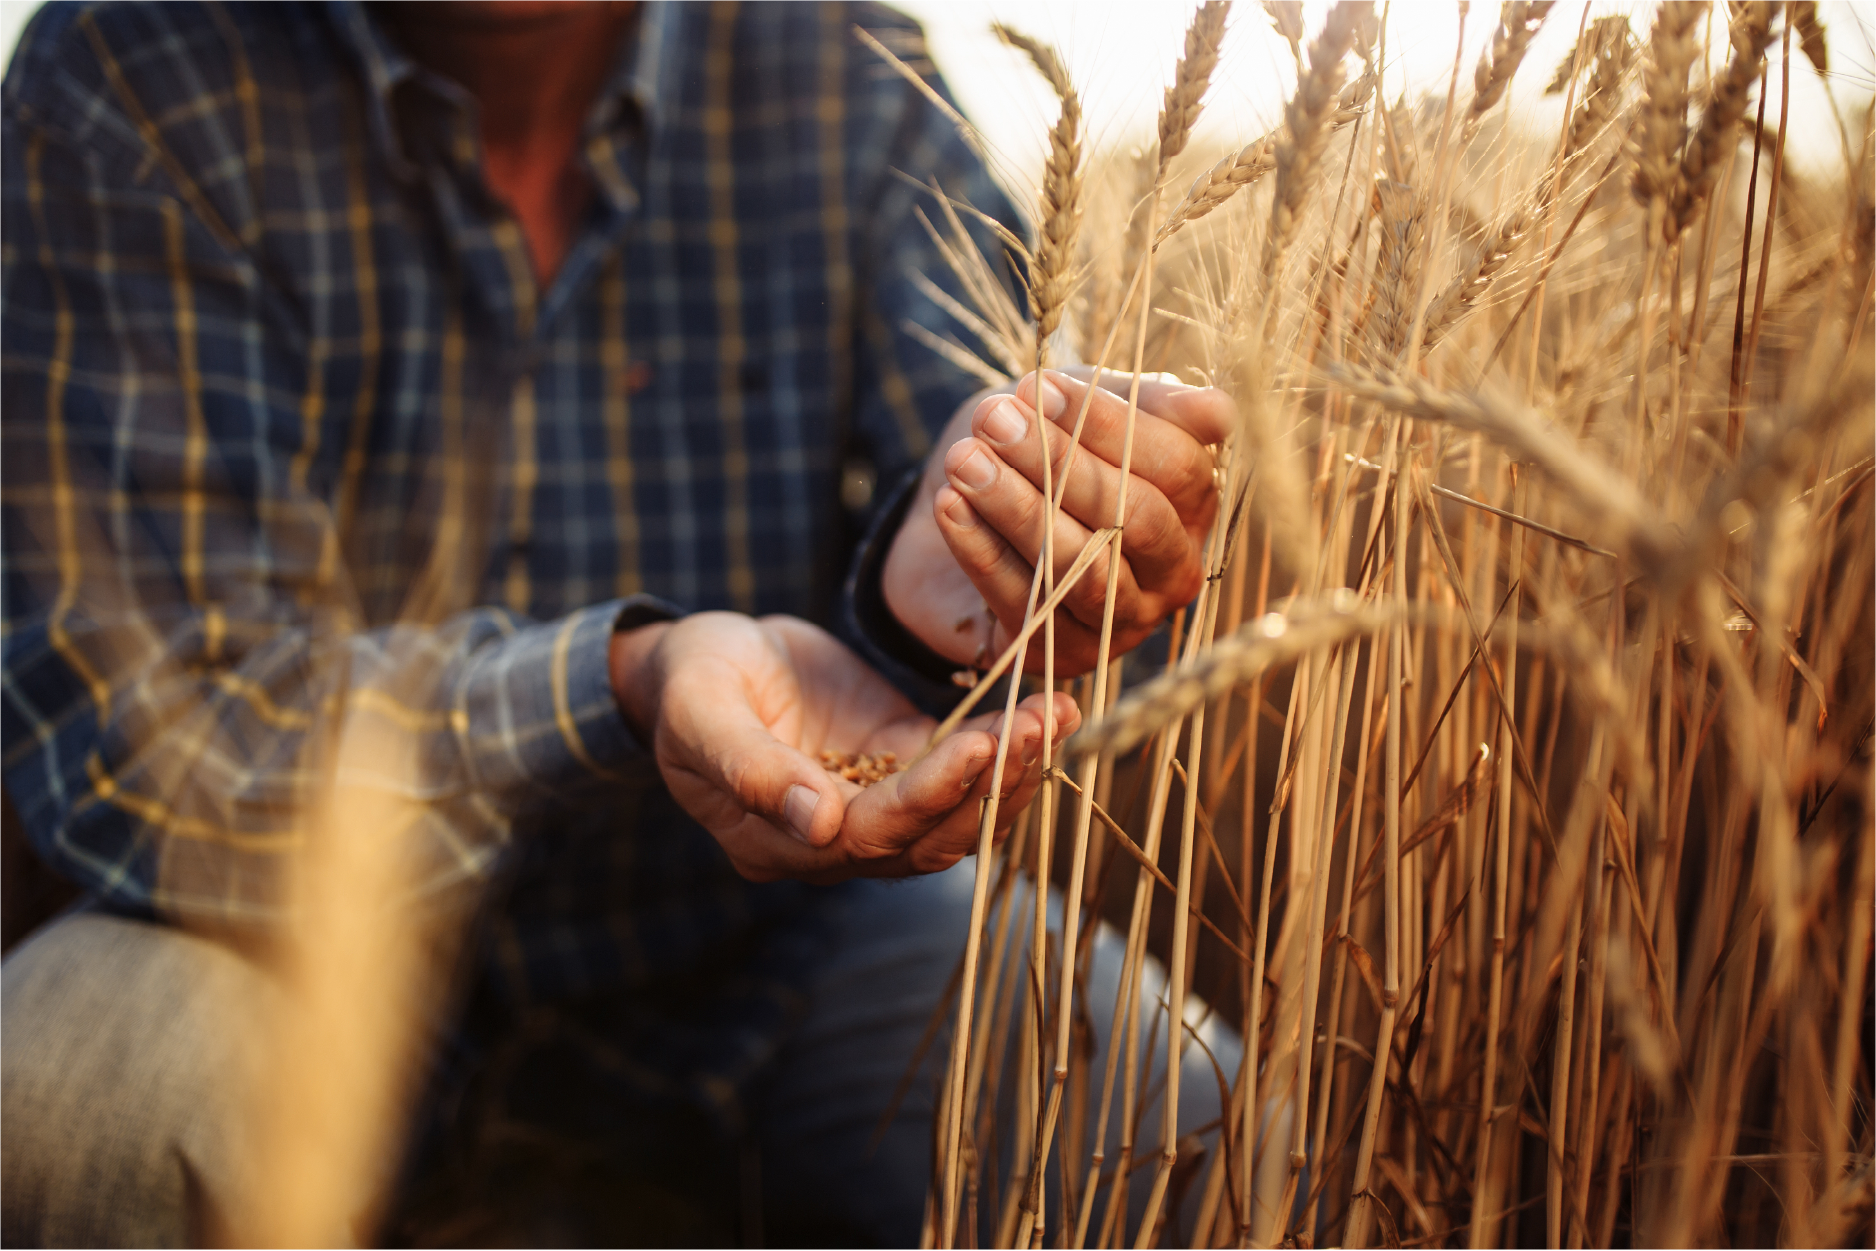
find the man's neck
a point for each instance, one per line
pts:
(535, 70)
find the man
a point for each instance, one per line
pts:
(482, 371)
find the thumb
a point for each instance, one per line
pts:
(791, 791)
(747, 771)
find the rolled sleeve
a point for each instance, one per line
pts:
(535, 712)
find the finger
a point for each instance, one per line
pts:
(1206, 413)
(1157, 542)
(957, 835)
(1028, 722)
(899, 810)
(732, 766)
(920, 821)
(1014, 508)
(1172, 458)
(1002, 576)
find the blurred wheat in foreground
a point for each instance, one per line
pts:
(1509, 782)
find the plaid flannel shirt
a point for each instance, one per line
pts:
(265, 326)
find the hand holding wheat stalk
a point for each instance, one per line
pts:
(1517, 743)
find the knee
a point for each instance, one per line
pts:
(124, 1051)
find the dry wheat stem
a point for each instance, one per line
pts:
(1254, 1013)
(1177, 976)
(1488, 1103)
(953, 1120)
(1085, 791)
(1050, 276)
(1319, 871)
(1344, 938)
(1142, 894)
(1771, 217)
(1360, 1199)
(1182, 106)
(1319, 902)
(1689, 614)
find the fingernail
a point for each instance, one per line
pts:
(970, 779)
(976, 472)
(1054, 402)
(1032, 748)
(962, 514)
(798, 810)
(1004, 425)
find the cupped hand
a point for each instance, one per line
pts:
(959, 573)
(738, 711)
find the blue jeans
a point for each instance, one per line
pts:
(124, 1047)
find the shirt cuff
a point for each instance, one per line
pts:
(535, 713)
(868, 626)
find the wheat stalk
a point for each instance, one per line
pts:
(1672, 619)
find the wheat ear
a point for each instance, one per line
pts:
(1750, 34)
(1286, 17)
(1612, 52)
(1185, 99)
(1661, 122)
(1305, 122)
(1517, 22)
(1402, 250)
(1273, 639)
(1463, 292)
(1802, 14)
(1052, 270)
(1251, 162)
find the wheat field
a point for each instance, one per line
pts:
(1508, 785)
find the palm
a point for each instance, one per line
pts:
(826, 699)
(745, 709)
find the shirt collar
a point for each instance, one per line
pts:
(637, 78)
(635, 81)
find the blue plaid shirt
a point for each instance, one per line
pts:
(294, 444)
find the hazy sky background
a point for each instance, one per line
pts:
(1121, 55)
(1122, 51)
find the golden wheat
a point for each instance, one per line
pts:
(1541, 768)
